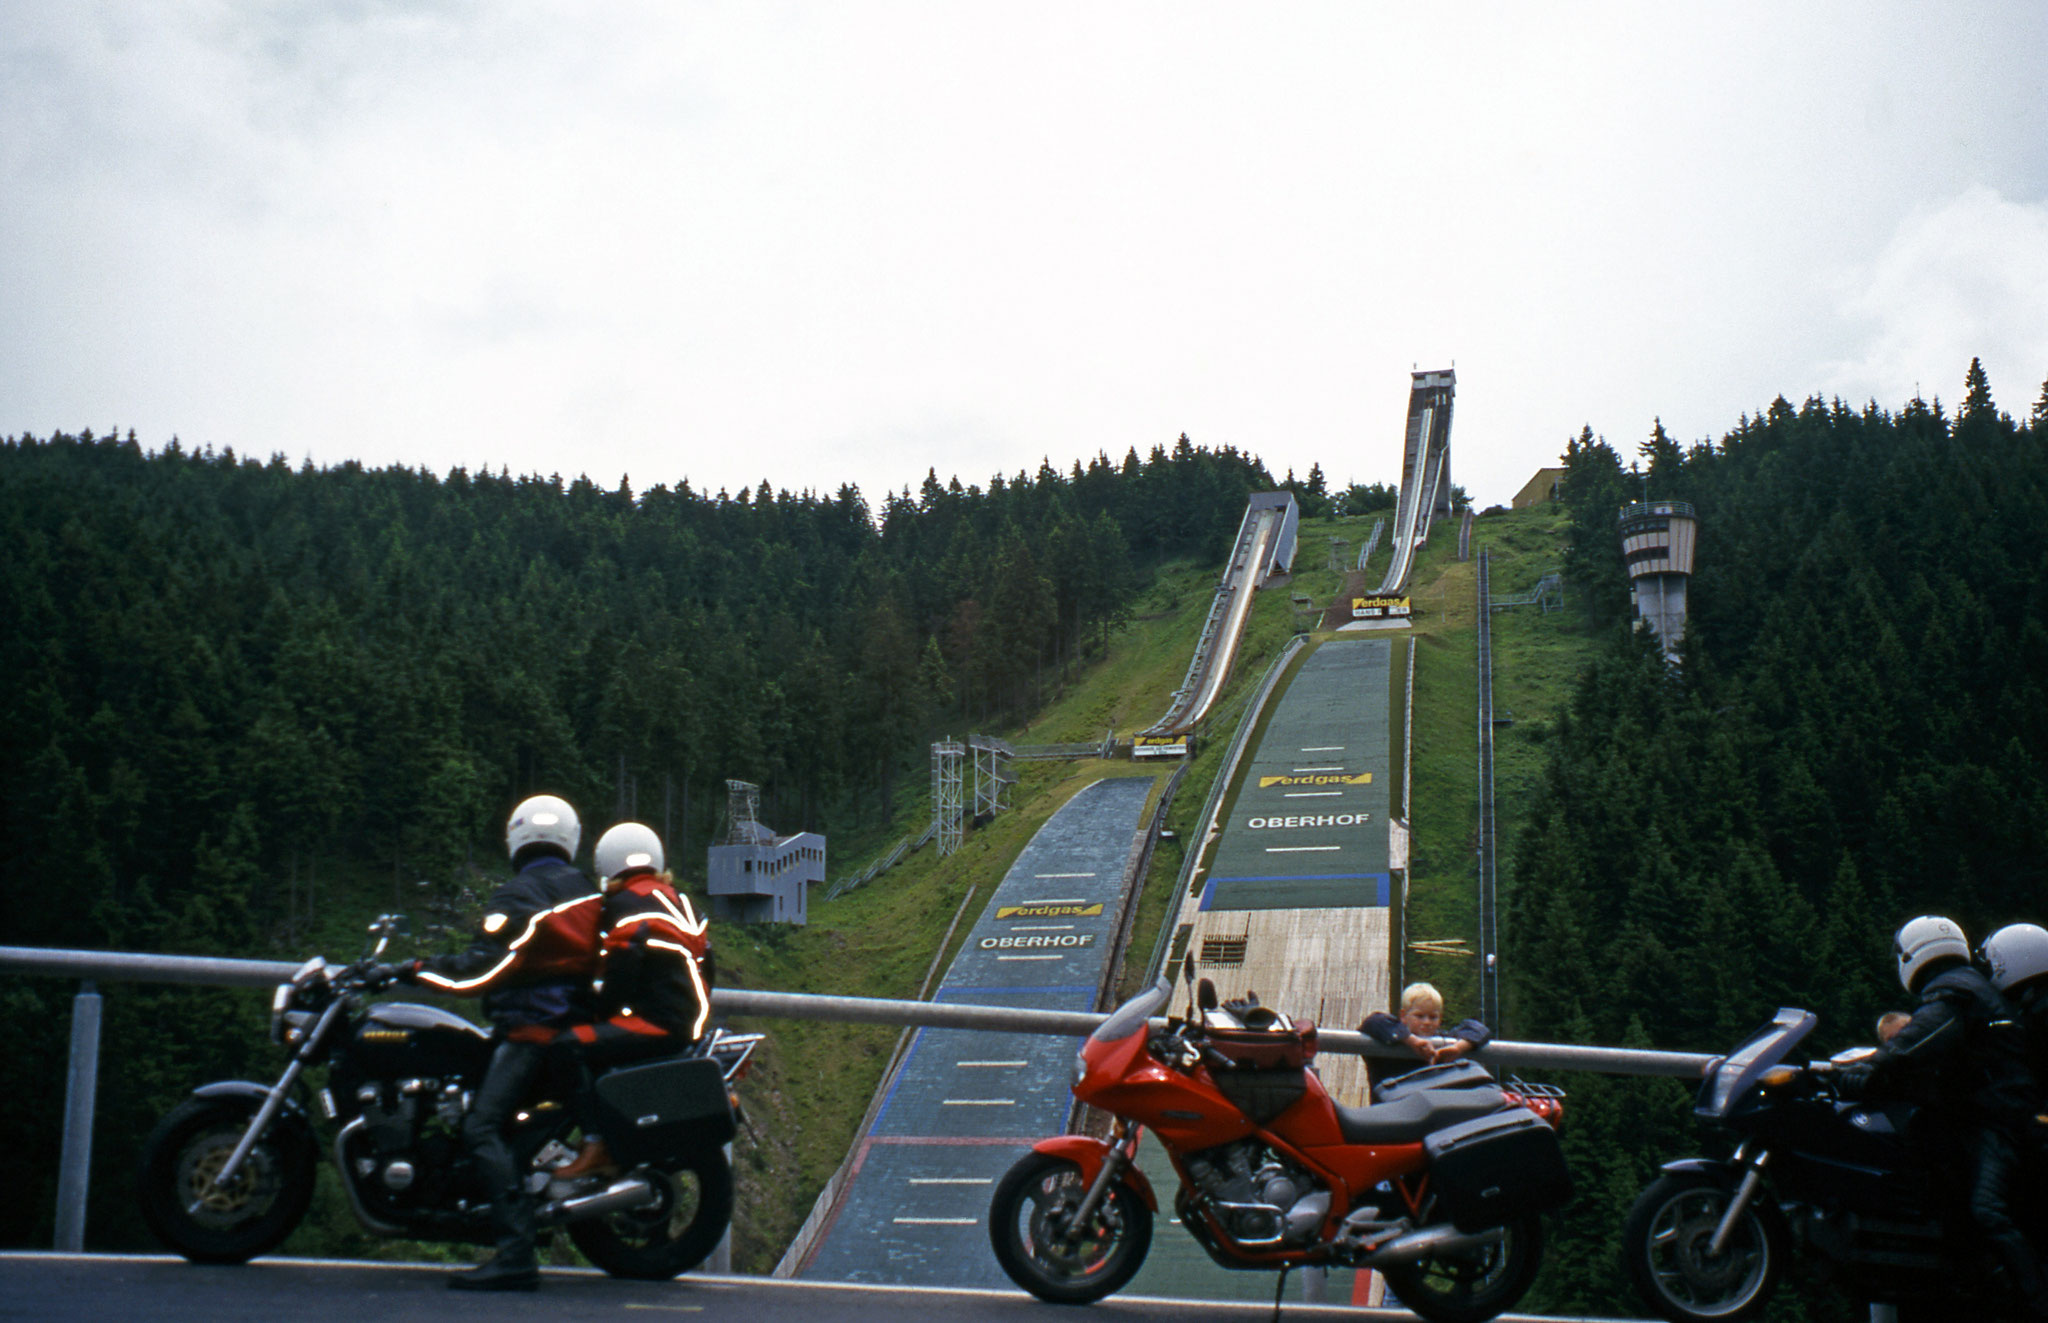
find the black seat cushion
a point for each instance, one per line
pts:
(1407, 1121)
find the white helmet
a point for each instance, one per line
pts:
(630, 847)
(2015, 954)
(543, 820)
(1923, 941)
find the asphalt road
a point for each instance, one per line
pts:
(105, 1288)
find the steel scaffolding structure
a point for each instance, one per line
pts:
(992, 776)
(948, 813)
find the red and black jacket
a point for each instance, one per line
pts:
(655, 974)
(535, 952)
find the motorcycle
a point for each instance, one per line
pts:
(1711, 1238)
(229, 1173)
(1439, 1185)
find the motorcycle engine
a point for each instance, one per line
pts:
(1257, 1196)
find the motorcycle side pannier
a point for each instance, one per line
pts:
(1495, 1169)
(663, 1109)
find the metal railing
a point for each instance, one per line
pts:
(92, 967)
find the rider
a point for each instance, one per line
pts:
(532, 961)
(1963, 1053)
(1420, 1022)
(654, 979)
(2017, 957)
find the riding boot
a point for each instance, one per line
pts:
(515, 1266)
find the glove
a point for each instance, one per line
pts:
(1853, 1081)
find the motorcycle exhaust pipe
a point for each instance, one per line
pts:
(618, 1197)
(1440, 1239)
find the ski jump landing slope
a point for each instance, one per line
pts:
(1302, 866)
(966, 1104)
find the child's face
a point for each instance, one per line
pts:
(1423, 1021)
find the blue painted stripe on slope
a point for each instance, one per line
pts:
(1385, 884)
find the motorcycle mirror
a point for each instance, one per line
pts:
(1187, 969)
(1205, 995)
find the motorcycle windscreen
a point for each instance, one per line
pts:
(664, 1109)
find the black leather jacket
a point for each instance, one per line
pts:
(1963, 1052)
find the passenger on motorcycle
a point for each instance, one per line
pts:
(1962, 1055)
(653, 987)
(1418, 1027)
(532, 962)
(2017, 957)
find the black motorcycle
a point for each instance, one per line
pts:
(229, 1173)
(1710, 1238)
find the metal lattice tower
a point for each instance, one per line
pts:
(992, 775)
(948, 815)
(742, 813)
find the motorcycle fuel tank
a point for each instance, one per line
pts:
(405, 1038)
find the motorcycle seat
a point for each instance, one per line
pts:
(1418, 1114)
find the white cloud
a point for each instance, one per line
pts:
(1967, 279)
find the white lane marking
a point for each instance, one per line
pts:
(1313, 794)
(1322, 748)
(1286, 849)
(938, 1221)
(952, 1180)
(1051, 957)
(1042, 928)
(979, 1102)
(1064, 900)
(1299, 770)
(969, 1065)
(1044, 876)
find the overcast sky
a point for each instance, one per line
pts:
(852, 241)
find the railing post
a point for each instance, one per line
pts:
(74, 1173)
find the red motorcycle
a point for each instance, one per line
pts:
(1438, 1185)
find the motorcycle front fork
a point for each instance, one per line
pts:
(1123, 1151)
(1751, 1161)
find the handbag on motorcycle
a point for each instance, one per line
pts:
(1497, 1168)
(663, 1109)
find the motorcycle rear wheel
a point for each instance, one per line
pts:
(253, 1213)
(1665, 1239)
(1475, 1285)
(672, 1236)
(1028, 1220)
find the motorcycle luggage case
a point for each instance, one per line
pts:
(1263, 1048)
(1497, 1168)
(651, 1112)
(1450, 1075)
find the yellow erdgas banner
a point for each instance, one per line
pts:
(1318, 779)
(1365, 608)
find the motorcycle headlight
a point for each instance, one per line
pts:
(1080, 1068)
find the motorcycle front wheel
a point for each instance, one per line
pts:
(232, 1223)
(670, 1236)
(1030, 1226)
(1473, 1285)
(1665, 1243)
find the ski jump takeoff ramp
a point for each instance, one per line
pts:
(1265, 546)
(1425, 472)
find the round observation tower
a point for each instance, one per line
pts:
(1657, 540)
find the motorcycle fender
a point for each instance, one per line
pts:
(291, 1116)
(1720, 1171)
(1088, 1154)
